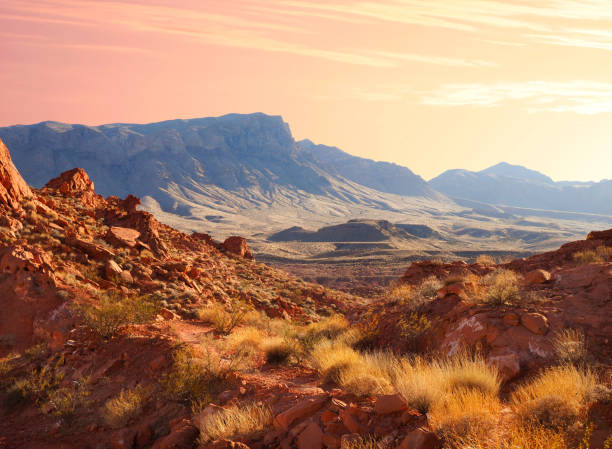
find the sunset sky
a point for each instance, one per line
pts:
(429, 84)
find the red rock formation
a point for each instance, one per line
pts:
(238, 246)
(13, 188)
(75, 183)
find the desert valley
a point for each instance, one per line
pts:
(305, 224)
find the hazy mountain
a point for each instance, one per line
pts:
(382, 176)
(222, 173)
(513, 185)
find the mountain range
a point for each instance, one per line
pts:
(246, 174)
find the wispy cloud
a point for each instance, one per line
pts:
(582, 97)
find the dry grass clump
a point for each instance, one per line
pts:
(248, 336)
(357, 373)
(126, 406)
(423, 384)
(485, 259)
(570, 346)
(469, 372)
(420, 383)
(557, 397)
(599, 254)
(223, 318)
(243, 420)
(280, 350)
(465, 412)
(327, 328)
(516, 437)
(502, 287)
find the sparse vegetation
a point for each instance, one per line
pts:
(243, 420)
(599, 254)
(113, 311)
(126, 406)
(570, 346)
(557, 397)
(224, 319)
(502, 287)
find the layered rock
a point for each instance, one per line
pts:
(13, 188)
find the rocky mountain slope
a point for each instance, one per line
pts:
(220, 174)
(117, 331)
(512, 185)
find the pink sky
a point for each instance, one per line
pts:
(427, 84)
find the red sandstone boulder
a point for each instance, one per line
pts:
(119, 236)
(238, 245)
(75, 183)
(535, 277)
(13, 188)
(508, 364)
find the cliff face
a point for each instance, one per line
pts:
(12, 186)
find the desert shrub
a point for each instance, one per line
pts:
(64, 402)
(423, 293)
(39, 384)
(112, 312)
(224, 319)
(515, 437)
(126, 406)
(282, 350)
(7, 364)
(330, 359)
(37, 352)
(502, 287)
(557, 397)
(570, 346)
(328, 328)
(485, 259)
(243, 420)
(412, 327)
(465, 412)
(188, 380)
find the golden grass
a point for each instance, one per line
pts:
(465, 412)
(485, 259)
(469, 372)
(557, 397)
(423, 384)
(357, 373)
(248, 336)
(420, 383)
(237, 421)
(280, 349)
(124, 407)
(599, 254)
(516, 437)
(328, 328)
(570, 345)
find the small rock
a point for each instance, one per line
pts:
(511, 319)
(112, 270)
(389, 403)
(420, 439)
(126, 277)
(508, 365)
(298, 411)
(535, 323)
(311, 437)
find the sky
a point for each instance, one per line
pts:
(431, 85)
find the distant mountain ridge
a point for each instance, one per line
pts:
(514, 185)
(221, 172)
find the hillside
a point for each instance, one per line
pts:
(121, 332)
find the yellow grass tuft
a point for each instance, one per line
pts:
(243, 420)
(570, 346)
(502, 287)
(465, 412)
(557, 397)
(124, 407)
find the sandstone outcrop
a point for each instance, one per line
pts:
(13, 188)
